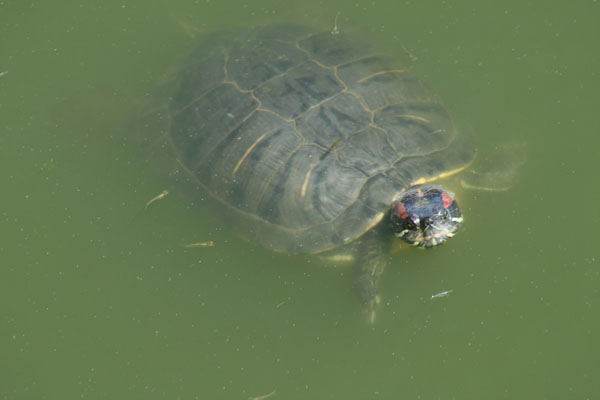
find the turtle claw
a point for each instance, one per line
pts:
(373, 308)
(372, 317)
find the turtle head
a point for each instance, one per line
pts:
(426, 215)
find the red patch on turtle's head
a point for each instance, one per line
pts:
(447, 199)
(401, 211)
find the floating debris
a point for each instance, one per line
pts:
(335, 30)
(264, 396)
(442, 294)
(210, 243)
(162, 195)
(282, 302)
(3, 73)
(331, 148)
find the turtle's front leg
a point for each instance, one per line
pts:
(370, 262)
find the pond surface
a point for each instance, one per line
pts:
(100, 298)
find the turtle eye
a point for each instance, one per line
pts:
(446, 214)
(411, 224)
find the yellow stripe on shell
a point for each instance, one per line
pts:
(247, 153)
(306, 178)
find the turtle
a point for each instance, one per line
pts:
(311, 141)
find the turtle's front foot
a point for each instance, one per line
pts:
(370, 263)
(366, 289)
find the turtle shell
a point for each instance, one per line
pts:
(304, 138)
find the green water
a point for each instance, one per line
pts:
(100, 300)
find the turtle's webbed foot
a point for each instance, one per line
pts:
(497, 170)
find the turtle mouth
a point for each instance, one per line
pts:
(431, 236)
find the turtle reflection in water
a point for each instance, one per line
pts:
(311, 142)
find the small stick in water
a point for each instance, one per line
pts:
(3, 73)
(264, 396)
(282, 302)
(335, 30)
(210, 243)
(331, 148)
(442, 294)
(160, 196)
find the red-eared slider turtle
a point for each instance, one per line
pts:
(311, 142)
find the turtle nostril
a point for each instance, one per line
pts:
(426, 223)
